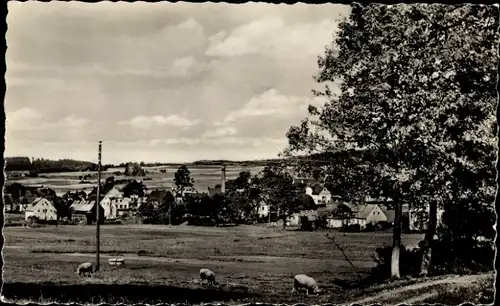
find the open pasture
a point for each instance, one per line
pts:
(251, 262)
(204, 176)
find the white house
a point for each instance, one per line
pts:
(418, 217)
(294, 219)
(320, 195)
(263, 209)
(111, 201)
(41, 208)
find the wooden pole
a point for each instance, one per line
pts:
(98, 205)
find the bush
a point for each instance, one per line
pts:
(305, 224)
(409, 262)
(321, 222)
(353, 228)
(462, 256)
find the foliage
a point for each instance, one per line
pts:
(277, 185)
(417, 105)
(133, 169)
(182, 179)
(134, 188)
(410, 257)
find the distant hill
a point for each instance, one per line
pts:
(18, 163)
(42, 165)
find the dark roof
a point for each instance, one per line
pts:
(316, 189)
(157, 195)
(83, 206)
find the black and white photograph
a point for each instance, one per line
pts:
(216, 153)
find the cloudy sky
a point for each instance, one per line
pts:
(160, 82)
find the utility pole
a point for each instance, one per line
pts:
(98, 205)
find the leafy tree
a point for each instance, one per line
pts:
(133, 169)
(417, 105)
(282, 194)
(108, 184)
(182, 179)
(243, 180)
(17, 190)
(134, 188)
(148, 213)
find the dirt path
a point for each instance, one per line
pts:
(391, 296)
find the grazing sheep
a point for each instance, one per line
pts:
(207, 275)
(84, 268)
(302, 281)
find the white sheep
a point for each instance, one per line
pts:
(84, 268)
(302, 281)
(207, 275)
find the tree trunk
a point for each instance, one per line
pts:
(426, 247)
(396, 240)
(284, 222)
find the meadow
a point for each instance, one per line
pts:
(252, 263)
(204, 176)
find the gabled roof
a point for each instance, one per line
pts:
(37, 201)
(82, 206)
(390, 214)
(158, 195)
(114, 193)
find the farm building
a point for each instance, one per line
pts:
(349, 214)
(157, 197)
(319, 194)
(42, 209)
(114, 202)
(294, 219)
(418, 217)
(263, 209)
(85, 211)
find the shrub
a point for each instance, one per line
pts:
(353, 228)
(409, 262)
(305, 224)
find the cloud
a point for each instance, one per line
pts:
(271, 36)
(26, 119)
(270, 103)
(220, 132)
(145, 122)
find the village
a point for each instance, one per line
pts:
(121, 204)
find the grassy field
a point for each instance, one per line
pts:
(252, 263)
(204, 176)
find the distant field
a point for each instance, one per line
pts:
(204, 177)
(251, 262)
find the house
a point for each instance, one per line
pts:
(157, 197)
(42, 209)
(263, 209)
(320, 195)
(294, 219)
(346, 214)
(419, 216)
(123, 206)
(85, 212)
